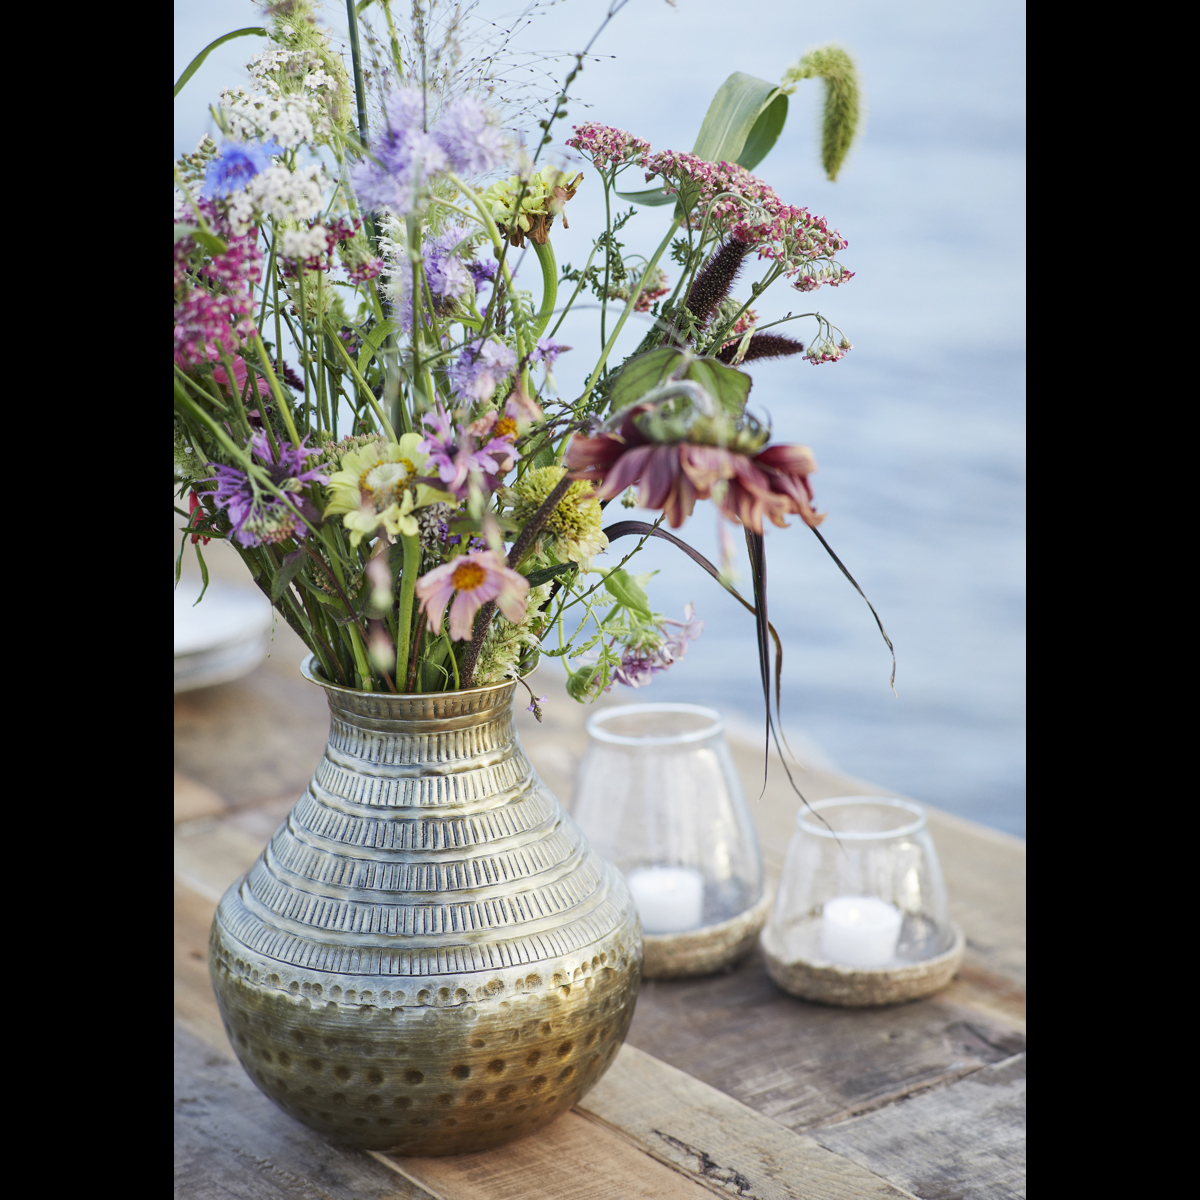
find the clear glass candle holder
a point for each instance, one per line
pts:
(861, 915)
(658, 795)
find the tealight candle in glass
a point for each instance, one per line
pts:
(861, 915)
(658, 795)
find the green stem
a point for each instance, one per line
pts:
(408, 585)
(362, 383)
(633, 299)
(276, 390)
(545, 254)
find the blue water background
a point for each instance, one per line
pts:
(919, 432)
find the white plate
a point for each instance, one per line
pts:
(223, 637)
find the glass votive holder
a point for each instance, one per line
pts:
(658, 795)
(861, 916)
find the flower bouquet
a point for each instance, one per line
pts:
(366, 307)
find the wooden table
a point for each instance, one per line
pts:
(725, 1084)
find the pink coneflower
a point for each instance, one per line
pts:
(476, 578)
(772, 483)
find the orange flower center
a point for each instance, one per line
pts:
(505, 427)
(467, 576)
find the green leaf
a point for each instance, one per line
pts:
(203, 573)
(184, 231)
(730, 387)
(198, 61)
(765, 132)
(642, 373)
(654, 197)
(361, 7)
(628, 592)
(210, 242)
(733, 116)
(287, 572)
(373, 342)
(537, 578)
(544, 457)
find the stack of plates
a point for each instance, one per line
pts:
(223, 637)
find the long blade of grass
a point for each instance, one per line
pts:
(842, 568)
(198, 61)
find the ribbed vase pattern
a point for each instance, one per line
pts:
(427, 957)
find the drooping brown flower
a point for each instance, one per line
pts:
(672, 476)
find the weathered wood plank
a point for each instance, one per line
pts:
(195, 1005)
(232, 1143)
(193, 800)
(808, 1064)
(572, 1159)
(717, 1141)
(963, 1142)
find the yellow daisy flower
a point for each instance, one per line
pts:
(374, 488)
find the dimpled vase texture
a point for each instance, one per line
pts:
(427, 958)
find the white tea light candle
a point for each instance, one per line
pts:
(669, 899)
(859, 931)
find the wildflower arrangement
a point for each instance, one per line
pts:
(365, 401)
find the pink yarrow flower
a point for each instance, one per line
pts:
(606, 146)
(472, 580)
(750, 211)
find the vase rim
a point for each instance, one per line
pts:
(914, 823)
(310, 669)
(597, 721)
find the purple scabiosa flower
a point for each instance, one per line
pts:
(483, 273)
(401, 160)
(481, 366)
(469, 133)
(450, 278)
(235, 165)
(258, 516)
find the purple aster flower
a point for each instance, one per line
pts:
(471, 138)
(258, 516)
(235, 165)
(457, 455)
(480, 367)
(639, 665)
(547, 350)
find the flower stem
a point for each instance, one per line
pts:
(408, 585)
(545, 253)
(633, 299)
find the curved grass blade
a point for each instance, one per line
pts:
(198, 61)
(842, 568)
(642, 528)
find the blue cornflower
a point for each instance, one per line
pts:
(237, 164)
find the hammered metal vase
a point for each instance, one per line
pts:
(427, 958)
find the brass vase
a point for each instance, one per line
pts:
(427, 958)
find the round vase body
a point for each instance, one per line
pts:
(427, 958)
